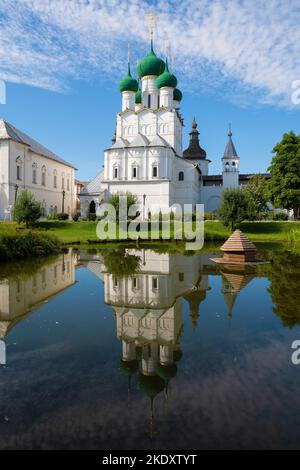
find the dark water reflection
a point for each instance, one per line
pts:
(139, 349)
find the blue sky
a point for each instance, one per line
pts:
(235, 62)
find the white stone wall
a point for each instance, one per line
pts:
(148, 122)
(47, 194)
(211, 197)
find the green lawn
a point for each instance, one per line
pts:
(84, 232)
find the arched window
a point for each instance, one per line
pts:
(55, 179)
(68, 184)
(181, 176)
(226, 166)
(19, 163)
(116, 172)
(34, 169)
(155, 171)
(44, 176)
(134, 172)
(233, 166)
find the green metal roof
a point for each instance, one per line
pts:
(128, 83)
(150, 65)
(166, 79)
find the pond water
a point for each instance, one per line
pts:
(127, 349)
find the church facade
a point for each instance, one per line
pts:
(146, 157)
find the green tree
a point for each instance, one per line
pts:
(120, 263)
(26, 209)
(114, 200)
(235, 207)
(284, 184)
(284, 288)
(256, 191)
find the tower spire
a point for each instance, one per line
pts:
(151, 19)
(194, 150)
(128, 60)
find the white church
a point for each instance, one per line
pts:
(146, 156)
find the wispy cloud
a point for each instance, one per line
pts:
(243, 49)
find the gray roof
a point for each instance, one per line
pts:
(242, 177)
(7, 131)
(93, 186)
(230, 148)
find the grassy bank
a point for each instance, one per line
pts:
(27, 244)
(70, 232)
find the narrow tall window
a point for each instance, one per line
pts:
(134, 172)
(34, 175)
(43, 176)
(19, 173)
(63, 183)
(149, 101)
(158, 102)
(55, 179)
(181, 176)
(154, 172)
(154, 283)
(68, 184)
(115, 173)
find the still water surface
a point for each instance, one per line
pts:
(129, 349)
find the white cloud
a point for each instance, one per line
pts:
(242, 49)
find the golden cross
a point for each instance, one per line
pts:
(128, 53)
(166, 45)
(151, 21)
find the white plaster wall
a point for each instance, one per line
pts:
(45, 194)
(4, 179)
(211, 197)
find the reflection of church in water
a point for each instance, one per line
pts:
(148, 306)
(20, 297)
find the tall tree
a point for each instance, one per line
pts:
(284, 184)
(235, 207)
(257, 191)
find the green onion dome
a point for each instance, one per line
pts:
(128, 83)
(166, 372)
(150, 65)
(177, 95)
(128, 367)
(151, 385)
(166, 78)
(138, 97)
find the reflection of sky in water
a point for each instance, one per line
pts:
(62, 387)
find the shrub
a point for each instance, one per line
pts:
(58, 216)
(27, 245)
(91, 216)
(75, 216)
(26, 209)
(281, 216)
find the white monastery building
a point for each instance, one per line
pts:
(26, 164)
(146, 156)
